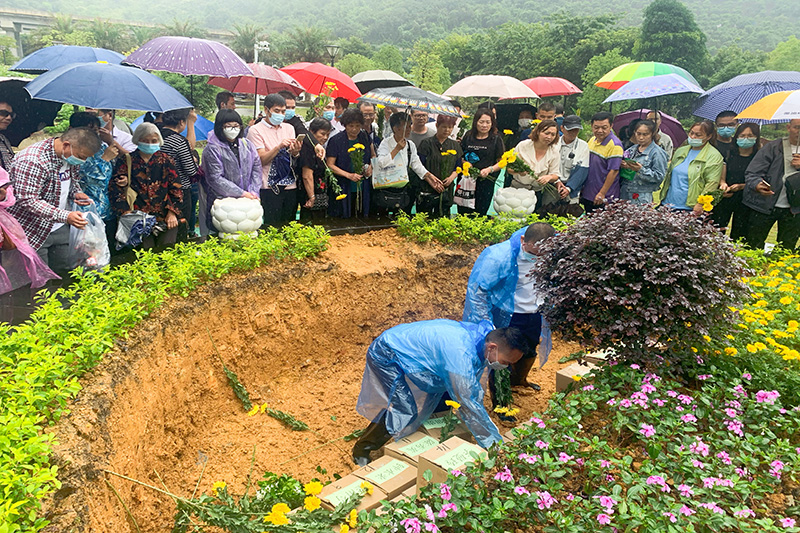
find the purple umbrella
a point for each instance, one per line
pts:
(742, 91)
(189, 56)
(669, 124)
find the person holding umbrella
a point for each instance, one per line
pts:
(661, 138)
(7, 115)
(747, 139)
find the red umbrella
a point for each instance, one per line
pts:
(546, 86)
(322, 79)
(265, 80)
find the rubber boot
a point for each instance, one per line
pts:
(373, 438)
(520, 371)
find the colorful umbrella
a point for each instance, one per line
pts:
(488, 86)
(744, 90)
(105, 86)
(777, 107)
(411, 97)
(52, 57)
(379, 79)
(669, 124)
(546, 86)
(621, 75)
(189, 56)
(322, 79)
(264, 80)
(654, 86)
(32, 115)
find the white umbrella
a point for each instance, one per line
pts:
(370, 80)
(490, 86)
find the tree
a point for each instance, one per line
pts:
(732, 61)
(389, 57)
(109, 35)
(142, 34)
(183, 28)
(591, 101)
(355, 45)
(244, 39)
(427, 70)
(7, 47)
(352, 64)
(785, 56)
(670, 34)
(304, 44)
(194, 88)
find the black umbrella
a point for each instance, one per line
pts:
(32, 115)
(379, 79)
(411, 98)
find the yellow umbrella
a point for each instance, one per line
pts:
(784, 105)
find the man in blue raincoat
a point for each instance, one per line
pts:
(411, 367)
(500, 290)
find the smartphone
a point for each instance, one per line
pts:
(627, 160)
(767, 184)
(301, 138)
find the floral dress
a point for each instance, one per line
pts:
(155, 182)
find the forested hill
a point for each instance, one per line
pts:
(752, 24)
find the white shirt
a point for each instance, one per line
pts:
(65, 179)
(453, 135)
(526, 299)
(580, 151)
(124, 139)
(385, 156)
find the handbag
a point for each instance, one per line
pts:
(792, 184)
(394, 175)
(393, 198)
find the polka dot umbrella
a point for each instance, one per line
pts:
(189, 56)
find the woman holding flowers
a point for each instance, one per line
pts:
(695, 171)
(483, 149)
(541, 155)
(348, 155)
(441, 155)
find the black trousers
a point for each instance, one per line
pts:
(280, 208)
(589, 206)
(530, 324)
(732, 208)
(761, 224)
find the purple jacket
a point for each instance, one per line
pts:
(225, 176)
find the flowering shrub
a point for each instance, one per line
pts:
(630, 451)
(647, 282)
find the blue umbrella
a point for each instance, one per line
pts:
(653, 87)
(742, 91)
(53, 57)
(201, 128)
(106, 86)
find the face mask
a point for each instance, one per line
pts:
(148, 148)
(726, 131)
(231, 133)
(560, 120)
(289, 114)
(276, 119)
(103, 122)
(527, 256)
(524, 123)
(695, 143)
(72, 160)
(328, 115)
(496, 365)
(743, 142)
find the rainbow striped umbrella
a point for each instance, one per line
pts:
(621, 75)
(780, 106)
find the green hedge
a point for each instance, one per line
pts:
(42, 359)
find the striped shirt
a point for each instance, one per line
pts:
(177, 147)
(603, 158)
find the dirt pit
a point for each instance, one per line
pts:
(160, 407)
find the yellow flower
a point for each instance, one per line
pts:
(501, 410)
(281, 508)
(751, 348)
(761, 331)
(452, 152)
(512, 412)
(253, 411)
(576, 378)
(793, 324)
(312, 488)
(512, 158)
(453, 405)
(341, 197)
(344, 528)
(353, 149)
(353, 519)
(731, 351)
(459, 170)
(508, 132)
(708, 207)
(502, 163)
(707, 338)
(760, 346)
(358, 146)
(264, 407)
(312, 503)
(467, 165)
(367, 486)
(694, 349)
(443, 153)
(217, 486)
(277, 519)
(705, 199)
(786, 300)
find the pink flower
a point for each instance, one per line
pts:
(685, 490)
(672, 517)
(698, 464)
(724, 457)
(457, 473)
(431, 527)
(612, 401)
(609, 478)
(604, 519)
(541, 445)
(788, 522)
(672, 394)
(445, 492)
(777, 465)
(564, 458)
(580, 461)
(539, 422)
(744, 513)
(648, 388)
(735, 427)
(699, 448)
(530, 459)
(570, 496)
(656, 480)
(625, 403)
(445, 508)
(703, 377)
(679, 408)
(588, 387)
(689, 418)
(747, 376)
(607, 501)
(659, 402)
(605, 464)
(739, 391)
(769, 397)
(684, 399)
(521, 490)
(429, 513)
(742, 472)
(545, 500)
(504, 475)
(731, 413)
(647, 430)
(412, 525)
(635, 366)
(686, 511)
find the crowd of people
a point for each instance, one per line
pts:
(367, 160)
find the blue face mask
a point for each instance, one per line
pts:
(148, 148)
(527, 256)
(289, 114)
(276, 119)
(103, 122)
(726, 131)
(742, 142)
(328, 115)
(72, 160)
(560, 121)
(695, 143)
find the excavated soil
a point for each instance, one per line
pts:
(160, 408)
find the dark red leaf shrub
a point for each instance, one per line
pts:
(649, 283)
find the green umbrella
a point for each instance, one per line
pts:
(621, 75)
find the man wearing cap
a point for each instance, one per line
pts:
(574, 158)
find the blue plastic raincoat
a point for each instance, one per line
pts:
(410, 367)
(491, 287)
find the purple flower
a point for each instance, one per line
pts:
(604, 519)
(689, 418)
(788, 522)
(647, 430)
(521, 491)
(563, 457)
(686, 511)
(605, 464)
(685, 490)
(588, 387)
(672, 517)
(412, 525)
(445, 492)
(541, 445)
(545, 500)
(504, 475)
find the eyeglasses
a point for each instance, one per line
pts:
(5, 113)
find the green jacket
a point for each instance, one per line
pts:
(704, 173)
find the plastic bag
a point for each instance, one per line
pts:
(88, 247)
(133, 227)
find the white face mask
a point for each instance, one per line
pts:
(231, 133)
(525, 122)
(495, 365)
